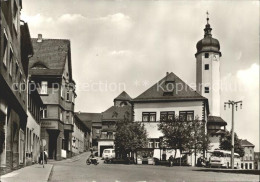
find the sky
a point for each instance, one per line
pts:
(130, 45)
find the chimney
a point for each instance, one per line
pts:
(167, 73)
(39, 39)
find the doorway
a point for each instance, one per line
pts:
(53, 136)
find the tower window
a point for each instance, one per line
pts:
(206, 55)
(206, 89)
(206, 66)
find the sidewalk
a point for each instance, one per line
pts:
(33, 173)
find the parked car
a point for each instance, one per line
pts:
(108, 153)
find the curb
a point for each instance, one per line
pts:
(50, 175)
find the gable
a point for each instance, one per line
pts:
(169, 88)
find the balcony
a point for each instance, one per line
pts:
(69, 127)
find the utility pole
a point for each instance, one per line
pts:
(232, 103)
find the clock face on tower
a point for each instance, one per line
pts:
(215, 58)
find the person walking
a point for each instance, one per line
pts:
(170, 161)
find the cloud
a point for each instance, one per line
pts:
(118, 19)
(71, 18)
(36, 20)
(249, 77)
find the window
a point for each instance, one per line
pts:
(61, 116)
(11, 58)
(206, 66)
(15, 16)
(16, 67)
(186, 115)
(44, 112)
(206, 89)
(167, 116)
(20, 80)
(67, 117)
(157, 144)
(68, 95)
(206, 55)
(149, 116)
(150, 145)
(169, 88)
(44, 87)
(72, 98)
(5, 49)
(61, 92)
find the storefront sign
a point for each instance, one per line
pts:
(49, 124)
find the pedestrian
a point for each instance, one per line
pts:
(45, 156)
(170, 161)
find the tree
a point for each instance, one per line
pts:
(129, 136)
(225, 143)
(185, 135)
(176, 134)
(199, 139)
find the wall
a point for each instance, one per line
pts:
(152, 128)
(77, 138)
(195, 106)
(209, 78)
(34, 128)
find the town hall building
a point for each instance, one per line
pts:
(171, 97)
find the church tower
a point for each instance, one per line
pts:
(208, 81)
(208, 70)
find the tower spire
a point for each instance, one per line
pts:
(207, 17)
(207, 28)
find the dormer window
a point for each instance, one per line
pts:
(169, 88)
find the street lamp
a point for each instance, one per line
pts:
(232, 103)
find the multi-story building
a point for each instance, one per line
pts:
(121, 110)
(160, 104)
(81, 136)
(172, 97)
(96, 125)
(247, 161)
(15, 51)
(33, 128)
(50, 68)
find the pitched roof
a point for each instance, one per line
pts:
(50, 54)
(246, 143)
(86, 123)
(181, 92)
(116, 113)
(93, 117)
(123, 96)
(216, 120)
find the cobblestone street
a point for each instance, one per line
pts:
(78, 171)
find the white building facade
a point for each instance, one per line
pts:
(159, 104)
